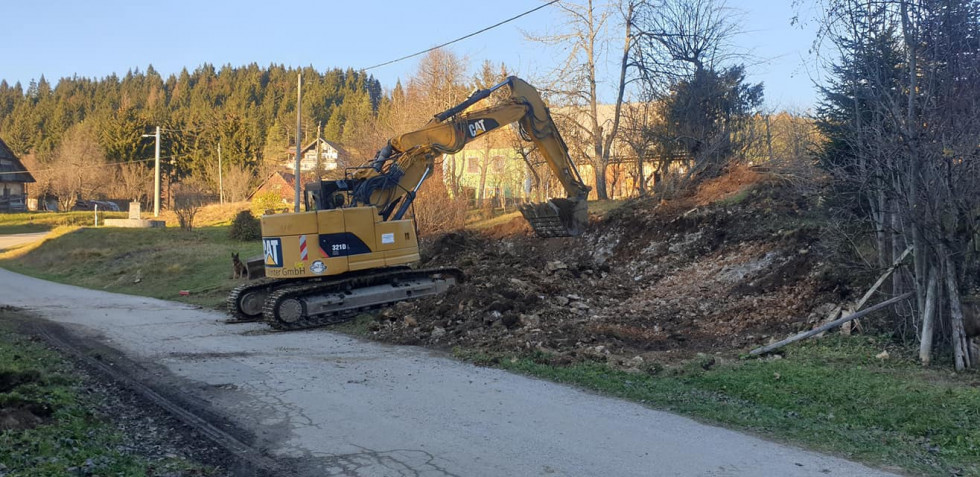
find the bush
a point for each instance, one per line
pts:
(245, 227)
(436, 211)
(189, 197)
(269, 202)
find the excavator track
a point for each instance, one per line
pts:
(308, 305)
(245, 301)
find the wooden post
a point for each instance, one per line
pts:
(807, 334)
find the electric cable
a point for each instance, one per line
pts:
(462, 37)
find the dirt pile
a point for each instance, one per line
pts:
(719, 271)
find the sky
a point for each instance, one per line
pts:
(62, 38)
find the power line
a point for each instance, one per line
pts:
(461, 38)
(3, 173)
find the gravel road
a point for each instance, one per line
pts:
(328, 404)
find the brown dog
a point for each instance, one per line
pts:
(238, 268)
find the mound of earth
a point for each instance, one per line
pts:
(727, 268)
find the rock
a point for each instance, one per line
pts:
(882, 355)
(636, 361)
(574, 297)
(556, 265)
(581, 305)
(411, 321)
(531, 321)
(519, 283)
(438, 332)
(562, 301)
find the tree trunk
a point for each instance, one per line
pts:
(600, 180)
(961, 348)
(481, 194)
(928, 319)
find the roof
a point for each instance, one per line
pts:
(340, 149)
(11, 169)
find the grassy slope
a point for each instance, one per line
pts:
(151, 262)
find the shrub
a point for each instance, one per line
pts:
(269, 202)
(189, 197)
(245, 227)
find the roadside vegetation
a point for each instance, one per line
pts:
(837, 394)
(55, 420)
(831, 395)
(159, 263)
(44, 221)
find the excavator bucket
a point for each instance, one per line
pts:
(557, 217)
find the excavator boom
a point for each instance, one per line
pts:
(395, 174)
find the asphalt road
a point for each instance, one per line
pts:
(333, 405)
(16, 240)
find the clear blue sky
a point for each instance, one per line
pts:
(60, 38)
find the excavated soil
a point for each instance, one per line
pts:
(723, 270)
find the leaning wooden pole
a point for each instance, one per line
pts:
(832, 324)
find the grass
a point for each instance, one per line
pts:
(29, 222)
(151, 262)
(73, 438)
(831, 395)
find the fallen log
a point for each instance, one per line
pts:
(832, 324)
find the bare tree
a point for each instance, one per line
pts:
(77, 166)
(687, 61)
(678, 38)
(237, 179)
(189, 197)
(901, 116)
(638, 119)
(135, 181)
(586, 30)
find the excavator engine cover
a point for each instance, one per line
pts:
(557, 217)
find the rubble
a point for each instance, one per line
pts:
(652, 281)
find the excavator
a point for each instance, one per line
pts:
(353, 248)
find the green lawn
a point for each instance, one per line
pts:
(151, 262)
(27, 222)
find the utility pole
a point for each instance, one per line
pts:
(221, 188)
(299, 134)
(156, 175)
(319, 167)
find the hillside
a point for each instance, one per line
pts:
(726, 268)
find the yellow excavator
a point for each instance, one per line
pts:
(353, 249)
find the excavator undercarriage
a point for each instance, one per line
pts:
(298, 304)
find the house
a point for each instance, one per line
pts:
(13, 181)
(508, 177)
(283, 185)
(332, 156)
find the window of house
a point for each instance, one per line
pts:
(472, 165)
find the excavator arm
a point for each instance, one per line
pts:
(391, 180)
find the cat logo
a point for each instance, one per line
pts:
(477, 128)
(273, 252)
